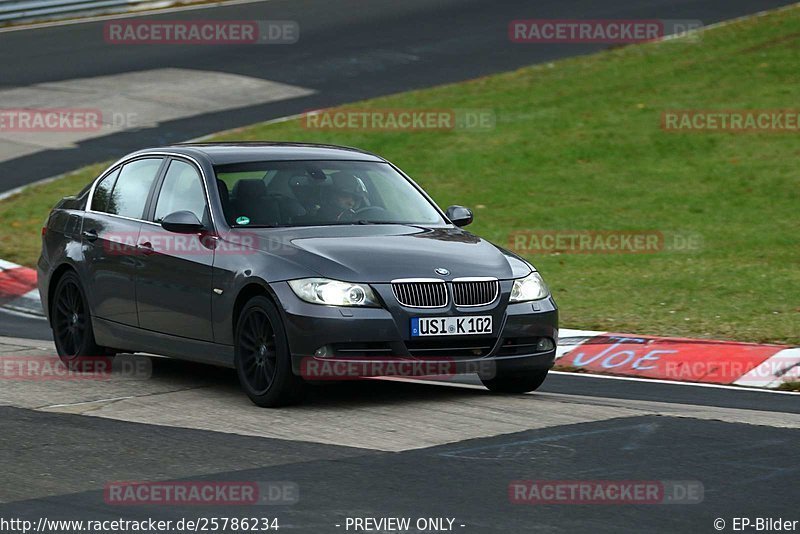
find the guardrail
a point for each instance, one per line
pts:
(14, 10)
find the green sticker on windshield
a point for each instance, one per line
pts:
(243, 220)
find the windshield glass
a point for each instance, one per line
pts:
(311, 193)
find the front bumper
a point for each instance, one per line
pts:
(352, 334)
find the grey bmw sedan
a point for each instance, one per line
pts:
(291, 263)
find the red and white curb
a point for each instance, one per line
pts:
(678, 359)
(18, 291)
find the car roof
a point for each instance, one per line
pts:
(247, 152)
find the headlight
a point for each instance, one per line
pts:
(532, 287)
(333, 292)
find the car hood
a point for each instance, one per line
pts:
(381, 253)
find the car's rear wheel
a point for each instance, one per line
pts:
(72, 323)
(515, 381)
(262, 357)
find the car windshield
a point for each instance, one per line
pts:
(313, 193)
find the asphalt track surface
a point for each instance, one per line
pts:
(372, 448)
(427, 450)
(14, 324)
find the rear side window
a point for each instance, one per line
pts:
(182, 191)
(102, 193)
(132, 188)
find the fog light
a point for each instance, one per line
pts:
(545, 344)
(323, 352)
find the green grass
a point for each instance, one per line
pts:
(578, 146)
(789, 386)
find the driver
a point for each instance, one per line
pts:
(348, 194)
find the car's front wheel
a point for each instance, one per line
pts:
(72, 323)
(516, 381)
(262, 357)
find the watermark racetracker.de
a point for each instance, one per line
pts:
(50, 120)
(51, 368)
(606, 492)
(322, 368)
(201, 493)
(777, 367)
(390, 120)
(605, 31)
(602, 241)
(65, 120)
(735, 121)
(238, 243)
(201, 32)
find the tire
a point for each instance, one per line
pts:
(515, 382)
(71, 321)
(262, 359)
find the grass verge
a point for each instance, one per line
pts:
(789, 386)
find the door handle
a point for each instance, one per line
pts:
(146, 247)
(90, 235)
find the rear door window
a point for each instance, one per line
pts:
(133, 185)
(102, 192)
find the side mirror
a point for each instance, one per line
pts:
(182, 222)
(459, 215)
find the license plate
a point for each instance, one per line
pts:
(451, 326)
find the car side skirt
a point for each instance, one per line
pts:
(128, 338)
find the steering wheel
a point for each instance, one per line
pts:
(347, 215)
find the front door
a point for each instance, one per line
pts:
(173, 288)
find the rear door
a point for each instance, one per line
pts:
(173, 288)
(111, 227)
